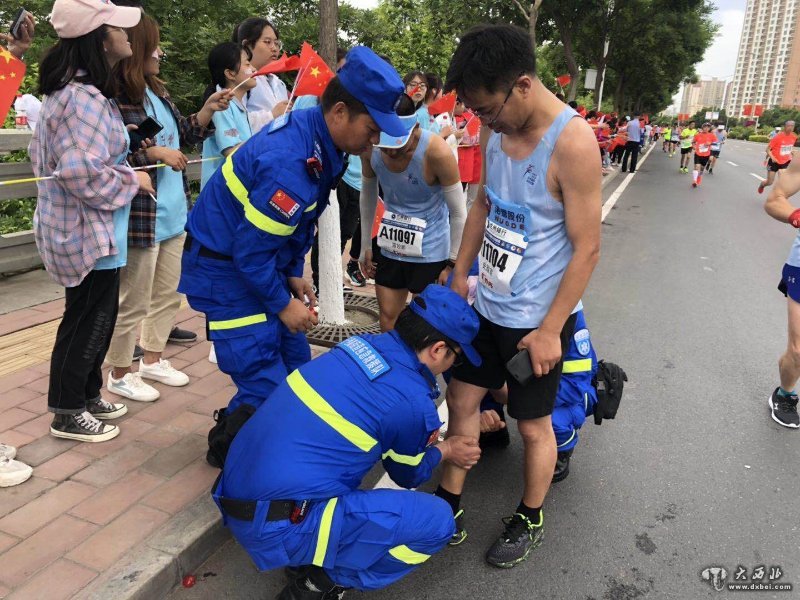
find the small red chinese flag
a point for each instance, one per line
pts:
(314, 74)
(376, 224)
(747, 110)
(563, 80)
(473, 126)
(445, 104)
(282, 65)
(758, 110)
(12, 71)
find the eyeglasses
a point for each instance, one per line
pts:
(274, 43)
(484, 115)
(458, 356)
(412, 85)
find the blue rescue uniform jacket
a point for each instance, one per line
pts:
(260, 209)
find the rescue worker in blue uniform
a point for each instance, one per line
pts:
(254, 222)
(289, 489)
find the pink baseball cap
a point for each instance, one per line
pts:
(74, 18)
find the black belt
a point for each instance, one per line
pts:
(203, 251)
(245, 510)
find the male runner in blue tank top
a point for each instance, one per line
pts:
(536, 230)
(420, 231)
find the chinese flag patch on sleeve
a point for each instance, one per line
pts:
(284, 204)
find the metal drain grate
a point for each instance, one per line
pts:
(330, 335)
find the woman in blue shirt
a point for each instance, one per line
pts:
(230, 68)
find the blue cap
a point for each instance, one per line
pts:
(449, 314)
(395, 141)
(376, 84)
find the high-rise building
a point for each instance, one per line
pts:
(768, 64)
(707, 93)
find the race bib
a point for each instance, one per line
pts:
(504, 243)
(401, 234)
(702, 148)
(715, 146)
(786, 150)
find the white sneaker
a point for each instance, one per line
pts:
(13, 472)
(212, 354)
(131, 386)
(163, 372)
(7, 451)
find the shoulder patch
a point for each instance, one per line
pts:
(366, 357)
(279, 122)
(582, 342)
(284, 204)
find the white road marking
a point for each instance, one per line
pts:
(759, 177)
(621, 188)
(732, 163)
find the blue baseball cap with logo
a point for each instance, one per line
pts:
(376, 84)
(449, 314)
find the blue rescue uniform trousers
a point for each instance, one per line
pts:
(363, 539)
(254, 348)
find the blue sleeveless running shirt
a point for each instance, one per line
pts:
(525, 249)
(415, 226)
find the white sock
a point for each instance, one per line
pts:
(694, 176)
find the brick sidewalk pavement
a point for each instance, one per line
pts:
(87, 506)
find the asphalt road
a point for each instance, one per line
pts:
(693, 473)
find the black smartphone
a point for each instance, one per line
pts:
(16, 24)
(148, 128)
(520, 366)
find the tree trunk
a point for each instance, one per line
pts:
(328, 19)
(331, 301)
(532, 15)
(569, 55)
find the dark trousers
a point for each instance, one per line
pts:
(82, 341)
(616, 155)
(632, 150)
(349, 213)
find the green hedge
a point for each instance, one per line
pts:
(758, 138)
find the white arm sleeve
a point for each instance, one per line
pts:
(368, 204)
(258, 119)
(457, 205)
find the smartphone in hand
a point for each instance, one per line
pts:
(16, 24)
(520, 367)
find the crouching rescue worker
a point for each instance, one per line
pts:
(289, 489)
(254, 222)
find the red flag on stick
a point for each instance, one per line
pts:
(473, 126)
(314, 75)
(445, 104)
(12, 71)
(282, 65)
(747, 110)
(758, 110)
(563, 80)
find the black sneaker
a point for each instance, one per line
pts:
(181, 336)
(100, 409)
(562, 466)
(461, 534)
(138, 352)
(516, 542)
(82, 427)
(308, 586)
(354, 273)
(784, 409)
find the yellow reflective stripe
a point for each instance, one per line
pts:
(408, 556)
(265, 223)
(320, 407)
(403, 459)
(310, 208)
(577, 366)
(324, 532)
(234, 323)
(251, 213)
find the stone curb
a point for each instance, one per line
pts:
(157, 565)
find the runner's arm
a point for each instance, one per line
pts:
(579, 180)
(445, 167)
(368, 202)
(777, 204)
(472, 237)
